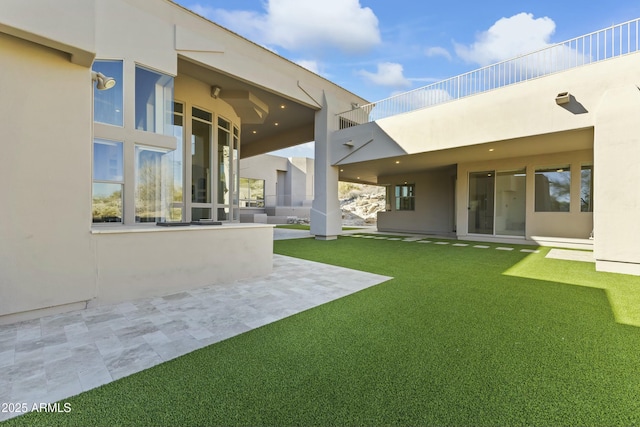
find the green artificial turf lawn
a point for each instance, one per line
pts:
(460, 336)
(308, 227)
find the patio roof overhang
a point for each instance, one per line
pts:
(357, 168)
(269, 121)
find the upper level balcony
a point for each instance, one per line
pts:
(612, 42)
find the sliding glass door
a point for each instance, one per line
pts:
(497, 203)
(481, 202)
(510, 203)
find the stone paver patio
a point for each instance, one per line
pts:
(54, 357)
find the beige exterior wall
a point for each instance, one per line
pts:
(45, 248)
(294, 174)
(51, 258)
(526, 129)
(434, 203)
(573, 224)
(137, 263)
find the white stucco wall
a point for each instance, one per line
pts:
(45, 247)
(434, 203)
(572, 224)
(137, 263)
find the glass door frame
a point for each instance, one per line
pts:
(472, 205)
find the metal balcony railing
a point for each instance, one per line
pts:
(618, 40)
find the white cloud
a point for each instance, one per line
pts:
(508, 38)
(309, 64)
(389, 74)
(437, 51)
(304, 24)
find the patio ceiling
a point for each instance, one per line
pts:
(369, 171)
(270, 121)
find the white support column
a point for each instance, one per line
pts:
(616, 180)
(326, 216)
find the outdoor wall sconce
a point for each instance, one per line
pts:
(215, 91)
(102, 82)
(348, 143)
(355, 105)
(563, 98)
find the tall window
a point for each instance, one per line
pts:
(235, 162)
(201, 163)
(176, 212)
(405, 197)
(553, 189)
(154, 182)
(107, 104)
(224, 168)
(586, 188)
(251, 193)
(154, 101)
(108, 181)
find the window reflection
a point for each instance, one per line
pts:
(553, 189)
(154, 101)
(107, 181)
(107, 104)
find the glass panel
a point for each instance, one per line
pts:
(107, 202)
(235, 167)
(201, 114)
(154, 101)
(480, 207)
(200, 162)
(224, 123)
(107, 104)
(251, 193)
(223, 214)
(177, 195)
(107, 160)
(224, 169)
(510, 203)
(552, 188)
(405, 197)
(154, 181)
(586, 189)
(200, 213)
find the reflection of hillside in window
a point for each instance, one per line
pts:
(251, 193)
(586, 189)
(154, 184)
(553, 189)
(108, 181)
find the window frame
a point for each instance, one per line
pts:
(554, 204)
(405, 195)
(116, 181)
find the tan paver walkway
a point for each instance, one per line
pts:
(54, 357)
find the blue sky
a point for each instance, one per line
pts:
(377, 48)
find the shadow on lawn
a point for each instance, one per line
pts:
(623, 291)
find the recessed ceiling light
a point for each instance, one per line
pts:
(276, 124)
(255, 131)
(283, 106)
(341, 170)
(491, 149)
(397, 162)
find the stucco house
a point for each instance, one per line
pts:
(541, 148)
(119, 115)
(276, 189)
